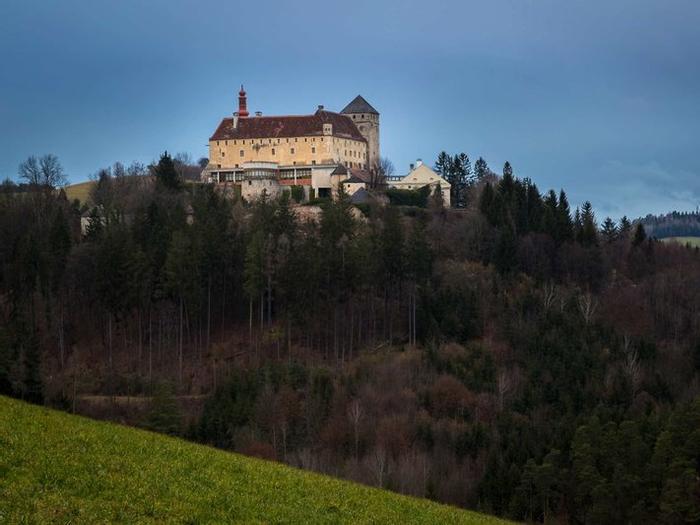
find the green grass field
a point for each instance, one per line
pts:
(59, 468)
(80, 191)
(693, 241)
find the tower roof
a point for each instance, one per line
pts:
(359, 105)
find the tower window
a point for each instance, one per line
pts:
(313, 149)
(223, 153)
(241, 153)
(291, 150)
(273, 151)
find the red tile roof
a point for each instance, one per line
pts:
(287, 126)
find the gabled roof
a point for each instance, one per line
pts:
(354, 178)
(287, 126)
(359, 105)
(360, 196)
(339, 170)
(361, 174)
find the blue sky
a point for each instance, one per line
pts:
(601, 98)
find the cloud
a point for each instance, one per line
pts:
(639, 189)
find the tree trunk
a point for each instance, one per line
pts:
(180, 342)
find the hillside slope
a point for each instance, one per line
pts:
(80, 191)
(55, 467)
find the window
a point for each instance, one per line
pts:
(313, 162)
(241, 153)
(273, 151)
(291, 150)
(223, 153)
(250, 182)
(313, 149)
(217, 142)
(226, 142)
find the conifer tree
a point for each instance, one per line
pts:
(640, 235)
(625, 227)
(588, 233)
(609, 230)
(565, 227)
(166, 173)
(481, 169)
(164, 415)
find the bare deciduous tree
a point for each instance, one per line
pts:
(355, 414)
(587, 305)
(632, 366)
(549, 295)
(45, 171)
(379, 172)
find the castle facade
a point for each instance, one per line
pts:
(315, 151)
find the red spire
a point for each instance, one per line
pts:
(242, 103)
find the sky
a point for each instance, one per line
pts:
(601, 98)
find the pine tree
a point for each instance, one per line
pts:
(640, 235)
(487, 203)
(443, 165)
(33, 390)
(507, 170)
(506, 248)
(588, 235)
(166, 174)
(609, 230)
(625, 227)
(164, 415)
(481, 169)
(565, 227)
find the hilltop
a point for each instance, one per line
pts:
(58, 467)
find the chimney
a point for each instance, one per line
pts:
(419, 162)
(320, 107)
(411, 166)
(258, 113)
(235, 120)
(242, 103)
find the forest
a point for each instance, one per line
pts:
(511, 354)
(675, 224)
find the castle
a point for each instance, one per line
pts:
(316, 151)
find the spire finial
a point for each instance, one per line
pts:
(242, 103)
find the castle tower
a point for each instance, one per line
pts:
(366, 118)
(242, 103)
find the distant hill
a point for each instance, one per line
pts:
(685, 241)
(80, 191)
(674, 224)
(56, 467)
